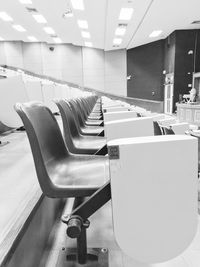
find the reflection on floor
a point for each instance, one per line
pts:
(100, 234)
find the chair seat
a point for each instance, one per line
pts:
(84, 170)
(91, 142)
(93, 123)
(92, 131)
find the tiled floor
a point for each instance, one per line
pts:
(100, 234)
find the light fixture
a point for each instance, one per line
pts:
(120, 31)
(85, 34)
(83, 24)
(57, 40)
(39, 18)
(88, 44)
(49, 30)
(25, 2)
(155, 33)
(32, 38)
(126, 13)
(1, 38)
(77, 4)
(18, 28)
(117, 41)
(4, 16)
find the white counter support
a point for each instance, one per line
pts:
(111, 116)
(129, 128)
(154, 195)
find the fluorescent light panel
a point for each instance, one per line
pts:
(49, 30)
(125, 13)
(85, 34)
(4, 16)
(57, 40)
(120, 31)
(18, 28)
(39, 18)
(32, 38)
(155, 34)
(77, 4)
(88, 44)
(26, 2)
(117, 41)
(83, 24)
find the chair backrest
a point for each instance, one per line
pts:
(68, 113)
(78, 113)
(45, 139)
(69, 127)
(157, 129)
(167, 130)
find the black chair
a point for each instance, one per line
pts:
(62, 174)
(157, 129)
(83, 128)
(75, 142)
(81, 112)
(167, 130)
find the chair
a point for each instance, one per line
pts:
(83, 128)
(75, 142)
(62, 174)
(83, 115)
(157, 129)
(167, 130)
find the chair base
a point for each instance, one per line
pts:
(96, 257)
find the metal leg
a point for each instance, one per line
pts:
(82, 247)
(77, 222)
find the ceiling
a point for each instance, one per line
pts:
(103, 18)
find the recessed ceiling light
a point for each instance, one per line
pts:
(26, 2)
(4, 16)
(77, 4)
(89, 44)
(18, 28)
(57, 40)
(126, 13)
(39, 18)
(120, 31)
(82, 24)
(155, 33)
(1, 39)
(49, 30)
(32, 38)
(85, 34)
(117, 41)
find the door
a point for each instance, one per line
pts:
(169, 93)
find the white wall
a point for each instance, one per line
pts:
(116, 72)
(32, 57)
(94, 68)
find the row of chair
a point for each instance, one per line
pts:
(76, 164)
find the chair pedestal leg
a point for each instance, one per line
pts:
(82, 246)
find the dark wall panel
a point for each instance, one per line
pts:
(145, 65)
